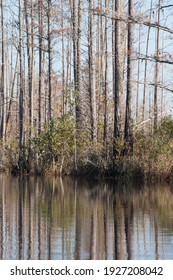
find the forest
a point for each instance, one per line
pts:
(86, 88)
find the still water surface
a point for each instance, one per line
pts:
(76, 219)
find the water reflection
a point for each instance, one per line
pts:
(76, 219)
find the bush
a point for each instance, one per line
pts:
(165, 128)
(56, 144)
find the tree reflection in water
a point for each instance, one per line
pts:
(77, 219)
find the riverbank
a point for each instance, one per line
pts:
(58, 152)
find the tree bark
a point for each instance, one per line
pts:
(106, 79)
(63, 59)
(3, 93)
(92, 89)
(49, 60)
(11, 93)
(128, 131)
(77, 21)
(29, 58)
(118, 69)
(157, 70)
(41, 26)
(145, 69)
(21, 91)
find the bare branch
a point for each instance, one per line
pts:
(155, 59)
(137, 20)
(153, 84)
(168, 6)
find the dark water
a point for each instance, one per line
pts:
(77, 219)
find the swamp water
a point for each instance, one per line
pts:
(70, 218)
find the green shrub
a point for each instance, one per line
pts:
(56, 143)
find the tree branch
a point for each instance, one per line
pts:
(155, 59)
(153, 84)
(164, 7)
(128, 19)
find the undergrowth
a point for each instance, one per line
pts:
(61, 148)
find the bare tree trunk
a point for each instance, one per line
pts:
(40, 19)
(157, 70)
(162, 92)
(11, 93)
(68, 71)
(3, 93)
(21, 92)
(92, 72)
(77, 21)
(118, 69)
(106, 77)
(45, 92)
(63, 59)
(128, 131)
(74, 19)
(99, 56)
(113, 57)
(32, 66)
(139, 68)
(29, 46)
(7, 80)
(79, 32)
(49, 59)
(145, 69)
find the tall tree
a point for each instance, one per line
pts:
(77, 25)
(145, 68)
(138, 77)
(106, 78)
(63, 58)
(157, 69)
(79, 32)
(118, 88)
(92, 89)
(128, 130)
(3, 105)
(49, 23)
(21, 90)
(41, 26)
(13, 79)
(29, 60)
